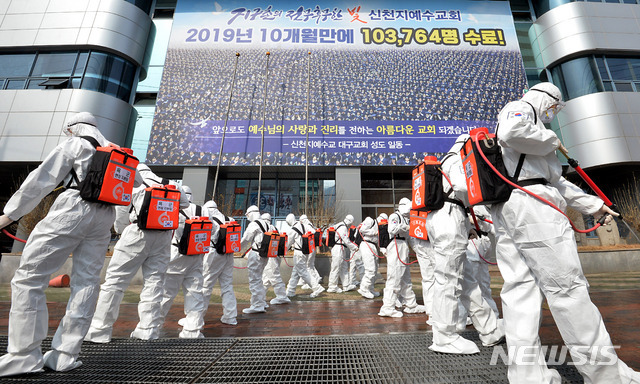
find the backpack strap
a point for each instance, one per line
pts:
(217, 220)
(92, 140)
(198, 210)
(260, 225)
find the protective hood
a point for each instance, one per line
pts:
(383, 216)
(544, 96)
(305, 220)
(266, 216)
(211, 207)
(187, 191)
(253, 213)
(291, 219)
(84, 124)
(348, 220)
(404, 206)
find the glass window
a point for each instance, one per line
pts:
(16, 65)
(602, 67)
(16, 84)
(54, 64)
(145, 5)
(109, 74)
(620, 68)
(373, 183)
(34, 83)
(608, 86)
(378, 196)
(578, 77)
(81, 64)
(623, 86)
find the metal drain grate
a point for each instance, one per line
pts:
(387, 358)
(134, 361)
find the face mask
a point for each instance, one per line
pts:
(548, 116)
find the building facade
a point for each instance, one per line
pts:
(59, 57)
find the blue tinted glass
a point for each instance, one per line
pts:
(16, 65)
(54, 64)
(623, 86)
(82, 63)
(16, 84)
(145, 5)
(620, 68)
(35, 83)
(580, 77)
(602, 68)
(109, 74)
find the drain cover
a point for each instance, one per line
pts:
(379, 358)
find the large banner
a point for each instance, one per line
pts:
(375, 83)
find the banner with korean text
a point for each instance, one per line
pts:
(370, 83)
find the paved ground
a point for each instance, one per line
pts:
(326, 332)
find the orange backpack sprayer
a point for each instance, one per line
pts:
(110, 175)
(483, 185)
(481, 134)
(228, 238)
(160, 208)
(418, 224)
(196, 237)
(427, 192)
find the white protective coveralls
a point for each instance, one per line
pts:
(477, 270)
(219, 268)
(369, 252)
(300, 266)
(448, 229)
(356, 266)
(340, 255)
(252, 238)
(537, 253)
(185, 271)
(72, 226)
(271, 274)
(311, 262)
(398, 274)
(137, 248)
(427, 262)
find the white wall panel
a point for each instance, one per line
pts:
(21, 148)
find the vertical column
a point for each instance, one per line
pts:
(200, 182)
(348, 193)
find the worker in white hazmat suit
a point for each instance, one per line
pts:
(185, 271)
(427, 262)
(448, 229)
(72, 226)
(146, 249)
(252, 238)
(271, 274)
(369, 252)
(219, 268)
(356, 268)
(300, 269)
(398, 274)
(311, 262)
(537, 253)
(339, 255)
(476, 270)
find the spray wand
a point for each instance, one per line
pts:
(575, 165)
